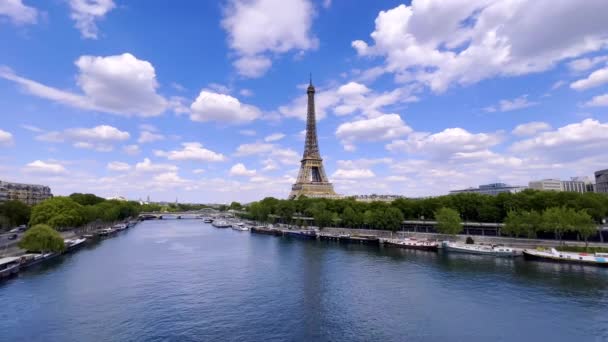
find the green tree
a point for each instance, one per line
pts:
(448, 221)
(42, 238)
(323, 218)
(58, 212)
(15, 212)
(393, 218)
(86, 199)
(584, 225)
(348, 217)
(557, 220)
(236, 206)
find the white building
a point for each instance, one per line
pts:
(491, 189)
(575, 184)
(29, 194)
(547, 185)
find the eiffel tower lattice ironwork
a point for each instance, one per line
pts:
(312, 181)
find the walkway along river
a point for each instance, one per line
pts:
(185, 280)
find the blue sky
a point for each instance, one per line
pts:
(205, 101)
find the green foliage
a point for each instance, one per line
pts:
(323, 218)
(523, 223)
(581, 249)
(58, 212)
(448, 221)
(42, 238)
(14, 213)
(86, 199)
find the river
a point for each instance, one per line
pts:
(183, 280)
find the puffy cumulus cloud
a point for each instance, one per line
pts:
(531, 128)
(274, 137)
(256, 32)
(254, 149)
(169, 178)
(100, 138)
(353, 174)
(438, 43)
(86, 12)
(42, 167)
(384, 127)
(147, 137)
(18, 12)
(598, 101)
(445, 143)
(192, 151)
(6, 138)
(120, 84)
(584, 64)
(509, 105)
(349, 98)
(147, 166)
(595, 79)
(584, 139)
(272, 153)
(240, 170)
(210, 106)
(363, 163)
(118, 166)
(247, 132)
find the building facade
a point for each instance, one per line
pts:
(547, 185)
(601, 181)
(29, 194)
(574, 186)
(491, 189)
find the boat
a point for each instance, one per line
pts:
(266, 230)
(221, 224)
(32, 259)
(73, 244)
(9, 266)
(302, 234)
(598, 259)
(120, 226)
(207, 220)
(105, 231)
(361, 239)
(493, 250)
(239, 226)
(411, 243)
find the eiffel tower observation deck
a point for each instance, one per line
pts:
(312, 181)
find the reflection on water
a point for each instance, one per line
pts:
(184, 280)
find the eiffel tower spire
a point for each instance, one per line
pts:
(312, 181)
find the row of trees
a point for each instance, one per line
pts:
(14, 213)
(558, 220)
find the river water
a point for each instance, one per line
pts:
(183, 280)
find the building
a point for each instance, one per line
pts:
(312, 181)
(29, 194)
(375, 198)
(601, 181)
(574, 186)
(491, 189)
(547, 185)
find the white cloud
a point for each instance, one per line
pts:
(86, 12)
(131, 150)
(253, 149)
(147, 166)
(192, 151)
(353, 89)
(509, 105)
(256, 32)
(274, 137)
(42, 167)
(587, 138)
(595, 79)
(445, 144)
(584, 64)
(598, 101)
(147, 137)
(240, 170)
(247, 132)
(222, 108)
(100, 138)
(384, 127)
(198, 171)
(246, 92)
(120, 84)
(363, 163)
(32, 128)
(18, 12)
(169, 178)
(531, 128)
(6, 138)
(353, 174)
(439, 43)
(118, 166)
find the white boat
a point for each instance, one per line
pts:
(221, 224)
(494, 250)
(411, 243)
(240, 227)
(72, 244)
(120, 226)
(32, 259)
(9, 266)
(207, 220)
(599, 259)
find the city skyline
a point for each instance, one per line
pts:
(207, 101)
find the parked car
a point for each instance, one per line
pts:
(13, 237)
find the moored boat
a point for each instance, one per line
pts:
(493, 250)
(32, 259)
(302, 234)
(9, 266)
(221, 224)
(410, 243)
(598, 259)
(73, 244)
(207, 220)
(361, 239)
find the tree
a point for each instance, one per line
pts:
(348, 217)
(557, 220)
(86, 199)
(236, 206)
(393, 218)
(323, 218)
(584, 225)
(58, 212)
(15, 212)
(448, 221)
(42, 238)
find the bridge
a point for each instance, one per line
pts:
(192, 214)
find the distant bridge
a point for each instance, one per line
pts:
(191, 214)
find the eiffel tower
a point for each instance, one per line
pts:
(312, 181)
